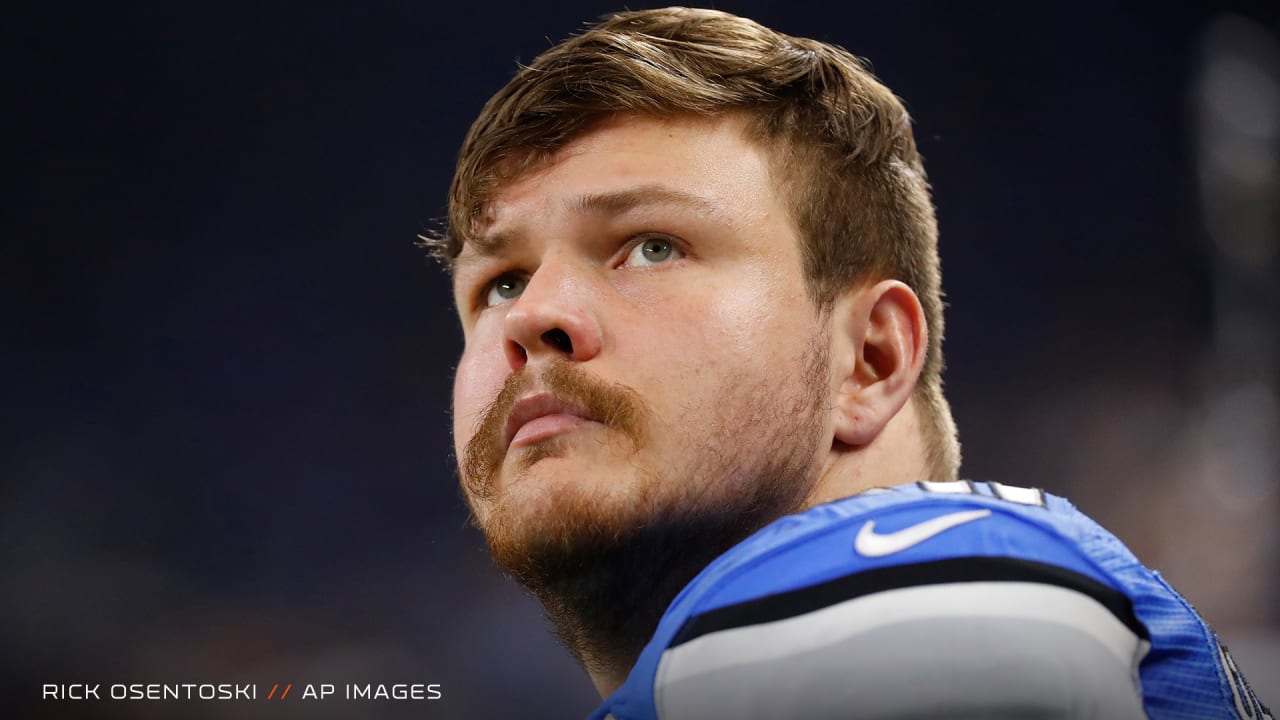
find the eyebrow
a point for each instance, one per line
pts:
(620, 201)
(614, 202)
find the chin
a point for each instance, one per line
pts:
(606, 546)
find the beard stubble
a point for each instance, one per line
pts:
(606, 569)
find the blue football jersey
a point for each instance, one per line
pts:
(955, 599)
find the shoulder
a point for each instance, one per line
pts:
(907, 603)
(956, 599)
(924, 534)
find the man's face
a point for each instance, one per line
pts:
(640, 347)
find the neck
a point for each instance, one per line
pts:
(896, 457)
(605, 602)
(606, 610)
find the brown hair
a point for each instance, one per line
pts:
(841, 140)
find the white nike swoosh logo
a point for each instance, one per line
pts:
(869, 543)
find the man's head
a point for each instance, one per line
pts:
(695, 262)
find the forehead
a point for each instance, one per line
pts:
(708, 161)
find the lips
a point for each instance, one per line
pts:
(540, 416)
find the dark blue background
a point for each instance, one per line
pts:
(226, 452)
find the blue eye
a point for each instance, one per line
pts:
(653, 251)
(504, 289)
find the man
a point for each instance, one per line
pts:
(699, 413)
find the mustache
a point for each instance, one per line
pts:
(616, 405)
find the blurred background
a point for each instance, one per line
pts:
(227, 368)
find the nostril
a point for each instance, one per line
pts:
(517, 357)
(559, 340)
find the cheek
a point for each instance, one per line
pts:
(701, 355)
(755, 321)
(476, 383)
(748, 324)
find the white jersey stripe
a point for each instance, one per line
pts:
(776, 641)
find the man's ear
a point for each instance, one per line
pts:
(879, 340)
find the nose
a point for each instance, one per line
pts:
(553, 317)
